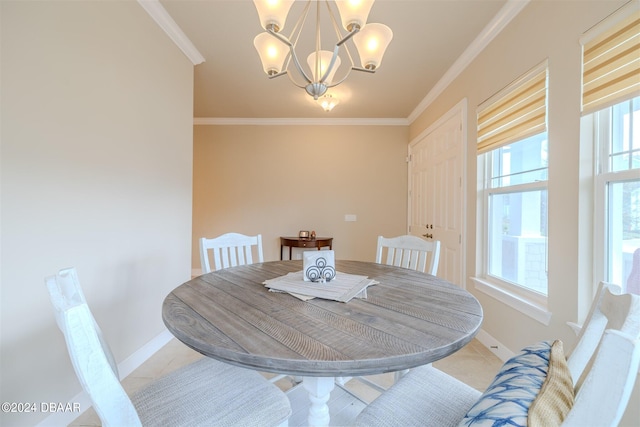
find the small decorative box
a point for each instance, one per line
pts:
(319, 266)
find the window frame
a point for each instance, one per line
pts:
(603, 177)
(527, 301)
(609, 78)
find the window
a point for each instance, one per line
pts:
(513, 173)
(517, 228)
(617, 141)
(611, 117)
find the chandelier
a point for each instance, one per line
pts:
(278, 51)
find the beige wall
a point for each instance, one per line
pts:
(277, 180)
(543, 30)
(96, 173)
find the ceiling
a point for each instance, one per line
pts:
(428, 37)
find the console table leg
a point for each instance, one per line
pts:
(319, 389)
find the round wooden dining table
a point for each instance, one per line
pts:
(407, 319)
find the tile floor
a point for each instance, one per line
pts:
(474, 365)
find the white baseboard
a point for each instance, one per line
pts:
(58, 419)
(125, 368)
(496, 347)
(132, 362)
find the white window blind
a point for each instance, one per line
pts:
(611, 59)
(516, 112)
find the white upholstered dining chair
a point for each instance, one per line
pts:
(589, 388)
(205, 392)
(409, 252)
(230, 250)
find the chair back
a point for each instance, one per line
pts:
(409, 252)
(230, 250)
(64, 291)
(89, 352)
(605, 361)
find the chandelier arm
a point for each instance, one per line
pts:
(280, 37)
(336, 28)
(343, 40)
(346, 48)
(297, 29)
(281, 73)
(342, 80)
(317, 64)
(365, 70)
(295, 35)
(331, 64)
(354, 68)
(295, 83)
(298, 66)
(348, 36)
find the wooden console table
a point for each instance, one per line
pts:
(297, 242)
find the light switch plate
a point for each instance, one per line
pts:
(350, 217)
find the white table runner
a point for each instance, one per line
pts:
(343, 288)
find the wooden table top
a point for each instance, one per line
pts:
(408, 319)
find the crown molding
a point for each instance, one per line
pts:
(231, 121)
(493, 28)
(511, 9)
(169, 26)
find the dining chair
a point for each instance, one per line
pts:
(230, 250)
(205, 392)
(402, 251)
(590, 387)
(409, 252)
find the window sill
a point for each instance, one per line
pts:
(535, 311)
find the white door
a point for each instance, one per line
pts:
(436, 190)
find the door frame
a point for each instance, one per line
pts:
(459, 109)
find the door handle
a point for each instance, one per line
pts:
(428, 236)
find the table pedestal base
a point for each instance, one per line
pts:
(319, 389)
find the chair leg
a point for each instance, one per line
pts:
(399, 374)
(341, 381)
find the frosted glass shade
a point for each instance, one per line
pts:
(327, 102)
(325, 60)
(354, 12)
(272, 53)
(273, 13)
(372, 41)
